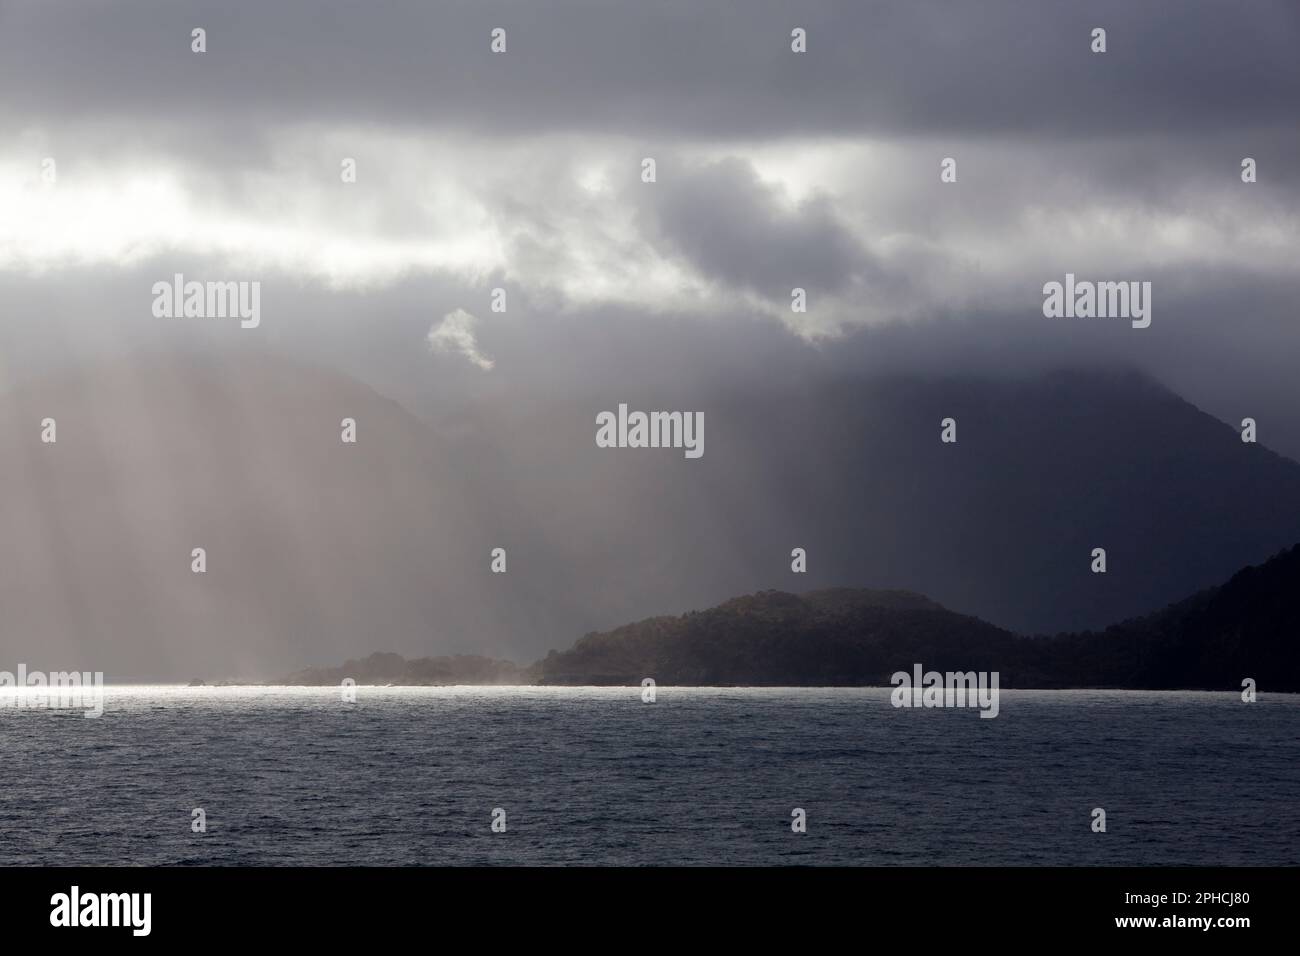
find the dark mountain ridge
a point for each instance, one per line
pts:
(317, 549)
(1243, 628)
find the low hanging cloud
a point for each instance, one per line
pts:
(455, 334)
(730, 225)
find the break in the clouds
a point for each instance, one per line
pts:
(775, 170)
(865, 226)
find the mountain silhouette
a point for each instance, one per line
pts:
(854, 637)
(1213, 640)
(822, 638)
(1002, 524)
(320, 550)
(1248, 626)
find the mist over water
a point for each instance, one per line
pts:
(410, 776)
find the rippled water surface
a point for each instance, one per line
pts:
(702, 776)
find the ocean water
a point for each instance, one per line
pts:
(410, 776)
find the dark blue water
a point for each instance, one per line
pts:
(702, 776)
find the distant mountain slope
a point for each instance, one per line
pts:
(1248, 627)
(1000, 525)
(832, 637)
(317, 550)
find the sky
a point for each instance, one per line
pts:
(774, 170)
(126, 157)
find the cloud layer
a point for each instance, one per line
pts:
(775, 170)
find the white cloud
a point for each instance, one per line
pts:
(564, 218)
(456, 334)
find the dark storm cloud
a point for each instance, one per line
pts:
(677, 68)
(1048, 136)
(737, 229)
